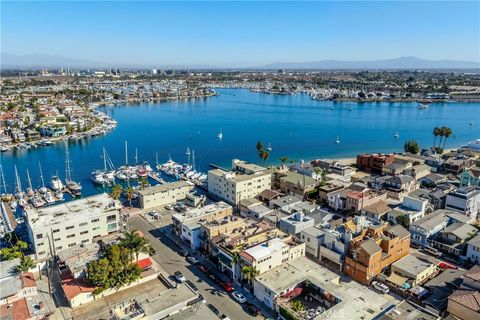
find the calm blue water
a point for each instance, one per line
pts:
(296, 127)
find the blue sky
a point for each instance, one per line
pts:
(241, 33)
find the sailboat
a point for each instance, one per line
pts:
(73, 186)
(42, 189)
(220, 135)
(30, 192)
(5, 195)
(109, 168)
(337, 140)
(19, 193)
(396, 135)
(269, 148)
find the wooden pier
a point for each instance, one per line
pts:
(155, 178)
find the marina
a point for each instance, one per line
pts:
(186, 132)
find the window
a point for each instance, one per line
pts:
(85, 241)
(56, 230)
(95, 220)
(39, 236)
(57, 239)
(83, 224)
(71, 235)
(111, 226)
(40, 244)
(58, 248)
(72, 244)
(84, 232)
(69, 227)
(111, 218)
(41, 253)
(96, 228)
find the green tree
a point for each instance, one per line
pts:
(130, 194)
(259, 146)
(135, 243)
(283, 159)
(250, 273)
(436, 133)
(26, 263)
(411, 146)
(116, 191)
(13, 251)
(403, 221)
(143, 182)
(447, 132)
(297, 306)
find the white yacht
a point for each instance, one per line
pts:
(97, 177)
(337, 140)
(56, 184)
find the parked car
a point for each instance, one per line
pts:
(433, 251)
(154, 214)
(184, 253)
(224, 317)
(237, 296)
(227, 286)
(151, 251)
(179, 276)
(169, 207)
(253, 309)
(380, 287)
(193, 260)
(214, 310)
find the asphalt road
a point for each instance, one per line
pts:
(166, 255)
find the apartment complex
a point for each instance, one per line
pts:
(71, 223)
(164, 194)
(374, 162)
(374, 249)
(245, 181)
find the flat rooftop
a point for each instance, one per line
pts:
(76, 210)
(412, 265)
(165, 187)
(200, 212)
(356, 301)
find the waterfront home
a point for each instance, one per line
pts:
(410, 271)
(457, 164)
(470, 177)
(333, 167)
(290, 182)
(307, 169)
(53, 131)
(465, 200)
(418, 171)
(374, 163)
(375, 249)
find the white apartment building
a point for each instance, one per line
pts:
(245, 181)
(54, 228)
(272, 253)
(465, 200)
(163, 194)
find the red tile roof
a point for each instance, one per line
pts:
(144, 263)
(73, 287)
(18, 310)
(27, 279)
(473, 273)
(467, 298)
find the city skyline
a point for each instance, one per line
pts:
(240, 34)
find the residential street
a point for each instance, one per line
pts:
(166, 255)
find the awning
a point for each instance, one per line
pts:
(293, 293)
(397, 280)
(144, 263)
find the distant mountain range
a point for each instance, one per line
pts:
(398, 63)
(12, 61)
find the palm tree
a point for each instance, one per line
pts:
(116, 191)
(447, 132)
(441, 133)
(259, 146)
(436, 133)
(283, 159)
(26, 263)
(250, 273)
(130, 193)
(143, 183)
(136, 243)
(266, 155)
(235, 260)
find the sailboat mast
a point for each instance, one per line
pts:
(3, 180)
(136, 156)
(68, 177)
(104, 159)
(193, 159)
(188, 155)
(29, 181)
(19, 186)
(156, 158)
(126, 152)
(41, 175)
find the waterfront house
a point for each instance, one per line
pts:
(164, 194)
(400, 185)
(307, 169)
(374, 163)
(418, 171)
(396, 168)
(53, 131)
(290, 182)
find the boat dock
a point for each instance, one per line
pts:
(213, 165)
(156, 178)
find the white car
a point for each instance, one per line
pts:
(179, 276)
(237, 296)
(380, 287)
